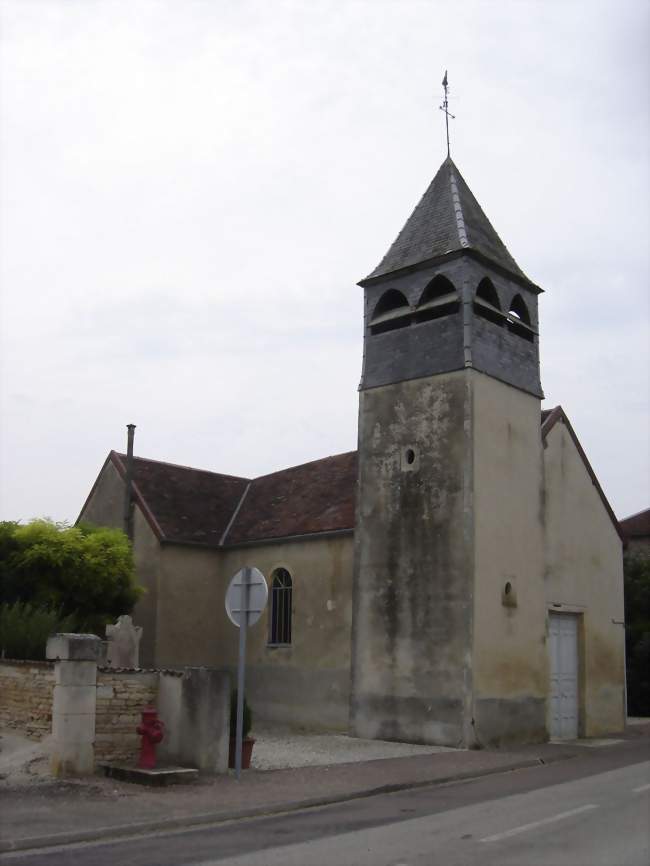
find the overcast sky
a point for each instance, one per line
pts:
(190, 191)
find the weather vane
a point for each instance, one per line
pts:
(445, 107)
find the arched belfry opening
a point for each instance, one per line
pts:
(519, 310)
(438, 299)
(392, 311)
(519, 319)
(486, 302)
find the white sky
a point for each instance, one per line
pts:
(190, 191)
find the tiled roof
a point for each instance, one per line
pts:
(186, 505)
(447, 219)
(637, 525)
(183, 504)
(314, 497)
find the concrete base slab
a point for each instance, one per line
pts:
(158, 777)
(590, 744)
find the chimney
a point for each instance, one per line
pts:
(128, 492)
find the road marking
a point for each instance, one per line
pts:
(642, 788)
(524, 827)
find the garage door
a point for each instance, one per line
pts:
(563, 630)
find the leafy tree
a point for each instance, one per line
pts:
(82, 571)
(8, 546)
(637, 633)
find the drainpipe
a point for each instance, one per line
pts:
(128, 491)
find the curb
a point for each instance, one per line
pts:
(121, 831)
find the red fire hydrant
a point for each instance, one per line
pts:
(152, 730)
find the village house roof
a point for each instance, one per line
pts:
(448, 219)
(192, 506)
(636, 525)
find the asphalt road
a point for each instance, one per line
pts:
(589, 811)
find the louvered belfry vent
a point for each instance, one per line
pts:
(449, 295)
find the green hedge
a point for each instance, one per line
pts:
(24, 629)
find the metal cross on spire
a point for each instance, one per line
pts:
(445, 107)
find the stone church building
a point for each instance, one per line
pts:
(458, 579)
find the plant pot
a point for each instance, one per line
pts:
(246, 752)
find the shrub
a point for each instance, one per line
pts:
(24, 629)
(85, 571)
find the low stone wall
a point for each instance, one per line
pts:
(92, 713)
(121, 697)
(26, 689)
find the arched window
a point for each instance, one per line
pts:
(519, 319)
(439, 298)
(486, 302)
(392, 311)
(280, 617)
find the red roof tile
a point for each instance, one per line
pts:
(637, 525)
(186, 505)
(314, 497)
(183, 504)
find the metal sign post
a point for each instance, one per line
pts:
(241, 669)
(245, 600)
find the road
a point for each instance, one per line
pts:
(579, 812)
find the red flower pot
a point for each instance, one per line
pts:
(246, 752)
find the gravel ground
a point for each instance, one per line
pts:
(277, 748)
(22, 761)
(26, 762)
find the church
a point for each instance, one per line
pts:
(458, 579)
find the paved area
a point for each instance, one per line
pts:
(277, 748)
(36, 811)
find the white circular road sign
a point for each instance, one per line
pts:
(247, 591)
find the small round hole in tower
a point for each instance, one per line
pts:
(410, 456)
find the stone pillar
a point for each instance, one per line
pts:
(75, 695)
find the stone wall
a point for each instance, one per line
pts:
(26, 689)
(121, 697)
(412, 630)
(100, 727)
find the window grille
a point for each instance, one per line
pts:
(281, 591)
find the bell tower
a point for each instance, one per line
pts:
(449, 617)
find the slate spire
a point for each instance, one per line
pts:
(448, 219)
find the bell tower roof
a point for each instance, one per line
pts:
(447, 220)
